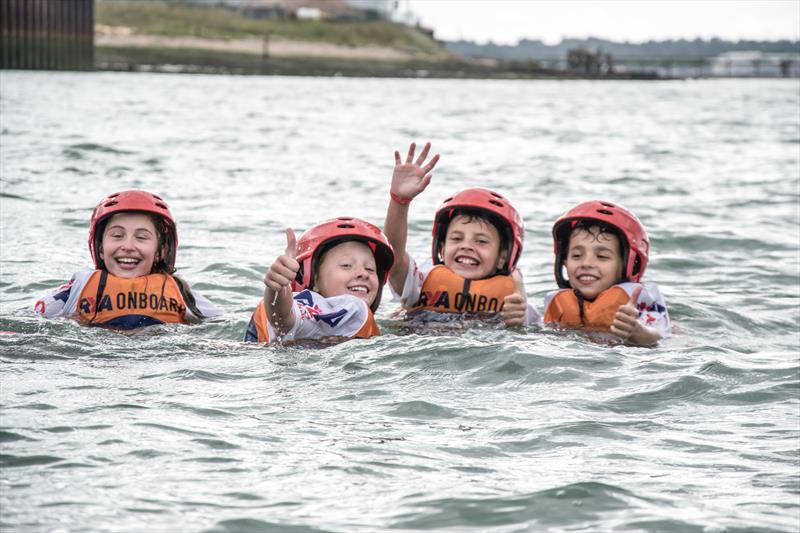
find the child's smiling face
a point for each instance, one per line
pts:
(348, 268)
(129, 245)
(594, 261)
(471, 248)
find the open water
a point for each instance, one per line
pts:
(189, 429)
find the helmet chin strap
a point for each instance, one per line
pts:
(581, 299)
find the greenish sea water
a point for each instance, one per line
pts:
(189, 429)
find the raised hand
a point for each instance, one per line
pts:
(284, 269)
(626, 321)
(412, 177)
(278, 291)
(515, 305)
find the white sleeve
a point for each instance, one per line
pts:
(316, 317)
(208, 309)
(532, 316)
(413, 284)
(652, 307)
(64, 300)
(548, 298)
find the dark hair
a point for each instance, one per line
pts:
(479, 215)
(160, 265)
(602, 228)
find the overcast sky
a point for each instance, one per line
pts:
(507, 21)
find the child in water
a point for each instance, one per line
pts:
(326, 285)
(133, 241)
(477, 241)
(601, 254)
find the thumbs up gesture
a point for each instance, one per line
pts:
(283, 271)
(515, 304)
(626, 321)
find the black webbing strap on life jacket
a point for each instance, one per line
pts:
(464, 295)
(101, 287)
(579, 296)
(188, 297)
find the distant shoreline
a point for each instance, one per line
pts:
(115, 52)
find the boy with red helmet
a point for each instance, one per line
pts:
(601, 253)
(477, 242)
(133, 240)
(326, 285)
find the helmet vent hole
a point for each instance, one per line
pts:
(111, 203)
(345, 218)
(448, 200)
(345, 226)
(162, 205)
(497, 196)
(605, 211)
(607, 204)
(495, 202)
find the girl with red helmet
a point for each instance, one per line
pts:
(326, 285)
(133, 240)
(601, 253)
(477, 242)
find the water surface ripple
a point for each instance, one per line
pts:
(464, 429)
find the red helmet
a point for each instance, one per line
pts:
(133, 200)
(335, 231)
(634, 247)
(491, 203)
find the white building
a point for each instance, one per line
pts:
(308, 13)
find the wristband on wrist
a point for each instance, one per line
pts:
(399, 199)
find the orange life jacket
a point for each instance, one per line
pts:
(445, 291)
(566, 309)
(131, 302)
(259, 320)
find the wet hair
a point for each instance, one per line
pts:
(596, 228)
(160, 265)
(159, 262)
(477, 215)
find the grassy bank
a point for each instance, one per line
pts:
(188, 60)
(169, 37)
(175, 20)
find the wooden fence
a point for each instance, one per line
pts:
(47, 34)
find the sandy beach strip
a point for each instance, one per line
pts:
(274, 47)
